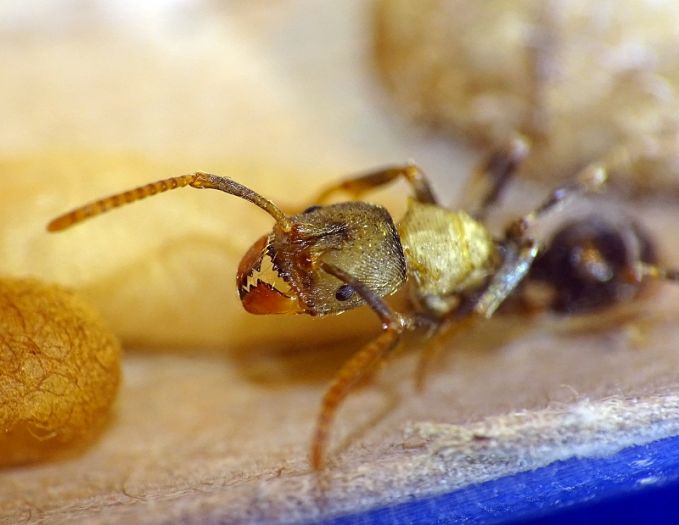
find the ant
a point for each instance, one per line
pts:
(331, 258)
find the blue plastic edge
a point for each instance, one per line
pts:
(637, 485)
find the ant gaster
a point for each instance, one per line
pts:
(332, 258)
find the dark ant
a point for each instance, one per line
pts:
(593, 263)
(332, 258)
(590, 263)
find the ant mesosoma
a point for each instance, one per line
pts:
(332, 258)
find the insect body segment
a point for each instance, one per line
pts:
(593, 263)
(447, 253)
(358, 237)
(329, 259)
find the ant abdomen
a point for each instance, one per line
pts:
(593, 263)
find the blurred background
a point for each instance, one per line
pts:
(101, 96)
(290, 83)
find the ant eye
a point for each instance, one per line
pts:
(312, 208)
(344, 292)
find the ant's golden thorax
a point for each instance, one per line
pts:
(446, 252)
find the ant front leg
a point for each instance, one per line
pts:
(363, 363)
(358, 185)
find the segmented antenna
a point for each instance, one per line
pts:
(198, 180)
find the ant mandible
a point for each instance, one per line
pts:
(332, 258)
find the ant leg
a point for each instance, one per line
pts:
(644, 270)
(364, 362)
(594, 176)
(518, 259)
(520, 250)
(356, 186)
(491, 177)
(590, 179)
(447, 329)
(500, 166)
(359, 366)
(542, 55)
(428, 355)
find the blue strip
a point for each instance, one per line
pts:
(637, 485)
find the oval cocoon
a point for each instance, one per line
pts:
(59, 371)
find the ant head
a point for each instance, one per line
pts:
(281, 272)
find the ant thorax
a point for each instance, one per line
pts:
(447, 252)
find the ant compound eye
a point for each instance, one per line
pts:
(344, 292)
(312, 208)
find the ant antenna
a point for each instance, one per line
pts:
(198, 180)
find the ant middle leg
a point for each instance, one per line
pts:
(491, 178)
(445, 330)
(594, 176)
(360, 184)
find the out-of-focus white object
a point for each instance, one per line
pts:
(578, 77)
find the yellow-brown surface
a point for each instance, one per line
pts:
(575, 78)
(59, 371)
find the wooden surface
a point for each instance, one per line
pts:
(221, 435)
(636, 485)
